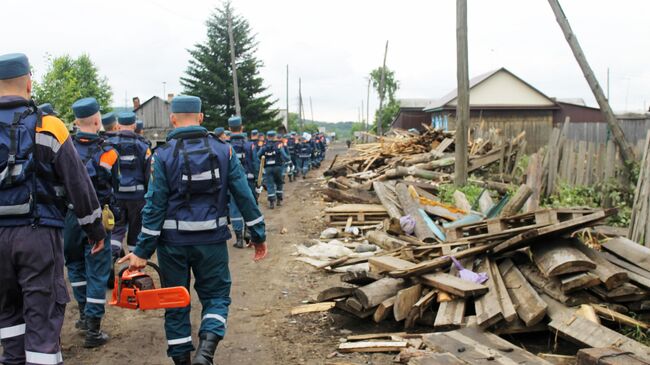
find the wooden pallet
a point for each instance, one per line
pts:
(362, 214)
(535, 219)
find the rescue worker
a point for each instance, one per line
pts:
(133, 175)
(260, 141)
(245, 151)
(227, 134)
(109, 122)
(291, 151)
(88, 273)
(33, 293)
(315, 151)
(254, 136)
(139, 127)
(186, 220)
(303, 155)
(48, 109)
(219, 132)
(275, 156)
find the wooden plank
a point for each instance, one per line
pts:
(560, 257)
(384, 310)
(529, 305)
(372, 346)
(383, 335)
(335, 293)
(422, 231)
(450, 314)
(383, 264)
(556, 359)
(607, 356)
(342, 305)
(311, 308)
(507, 307)
(517, 201)
(386, 200)
(404, 301)
(488, 307)
(550, 286)
(589, 334)
(582, 280)
(454, 285)
(355, 208)
(417, 311)
(444, 358)
(630, 251)
(439, 262)
(373, 294)
(609, 274)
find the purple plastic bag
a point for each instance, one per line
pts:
(469, 275)
(408, 224)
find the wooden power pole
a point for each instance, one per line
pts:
(300, 106)
(626, 150)
(462, 107)
(235, 87)
(286, 119)
(365, 127)
(382, 86)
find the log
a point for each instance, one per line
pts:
(609, 274)
(630, 251)
(607, 356)
(352, 196)
(373, 294)
(517, 201)
(454, 285)
(529, 305)
(422, 231)
(353, 303)
(384, 240)
(404, 301)
(384, 309)
(386, 200)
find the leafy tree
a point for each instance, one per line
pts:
(209, 74)
(67, 80)
(391, 106)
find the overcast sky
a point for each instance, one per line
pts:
(333, 44)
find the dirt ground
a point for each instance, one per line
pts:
(260, 329)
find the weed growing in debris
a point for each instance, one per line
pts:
(471, 191)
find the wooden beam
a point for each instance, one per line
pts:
(609, 274)
(488, 307)
(372, 346)
(529, 305)
(404, 301)
(310, 308)
(560, 257)
(630, 251)
(454, 285)
(517, 201)
(384, 309)
(382, 193)
(607, 356)
(335, 293)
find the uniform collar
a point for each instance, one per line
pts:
(238, 135)
(88, 136)
(11, 101)
(183, 130)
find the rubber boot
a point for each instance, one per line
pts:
(271, 203)
(184, 359)
(207, 346)
(239, 241)
(247, 237)
(279, 201)
(94, 336)
(81, 322)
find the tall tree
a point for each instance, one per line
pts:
(68, 79)
(209, 74)
(391, 85)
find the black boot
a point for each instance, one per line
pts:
(279, 202)
(184, 359)
(239, 241)
(207, 346)
(94, 336)
(271, 203)
(81, 322)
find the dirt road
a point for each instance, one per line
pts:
(260, 330)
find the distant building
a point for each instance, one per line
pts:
(155, 114)
(411, 114)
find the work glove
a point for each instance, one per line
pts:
(261, 250)
(259, 190)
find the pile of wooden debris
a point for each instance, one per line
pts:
(478, 270)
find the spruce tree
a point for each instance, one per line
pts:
(209, 75)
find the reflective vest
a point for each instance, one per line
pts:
(132, 151)
(244, 150)
(30, 192)
(196, 166)
(91, 151)
(272, 154)
(291, 147)
(304, 150)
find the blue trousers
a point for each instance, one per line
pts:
(209, 264)
(303, 165)
(87, 273)
(274, 182)
(236, 218)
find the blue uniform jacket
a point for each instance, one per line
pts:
(153, 213)
(267, 145)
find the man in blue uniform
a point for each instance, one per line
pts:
(291, 150)
(109, 122)
(48, 109)
(303, 156)
(33, 291)
(245, 151)
(133, 176)
(274, 157)
(186, 219)
(88, 273)
(254, 137)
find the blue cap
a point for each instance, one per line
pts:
(108, 118)
(13, 65)
(254, 132)
(271, 133)
(126, 118)
(139, 125)
(218, 131)
(228, 133)
(84, 108)
(186, 104)
(47, 109)
(234, 121)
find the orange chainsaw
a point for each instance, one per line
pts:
(136, 290)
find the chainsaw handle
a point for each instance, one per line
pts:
(155, 267)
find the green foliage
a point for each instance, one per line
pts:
(471, 191)
(567, 196)
(68, 79)
(391, 106)
(209, 75)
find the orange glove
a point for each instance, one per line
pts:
(261, 250)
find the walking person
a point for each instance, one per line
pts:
(303, 154)
(274, 157)
(186, 220)
(33, 203)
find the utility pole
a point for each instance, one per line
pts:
(301, 111)
(311, 107)
(462, 107)
(362, 118)
(626, 150)
(365, 129)
(382, 86)
(164, 95)
(235, 87)
(286, 119)
(607, 83)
